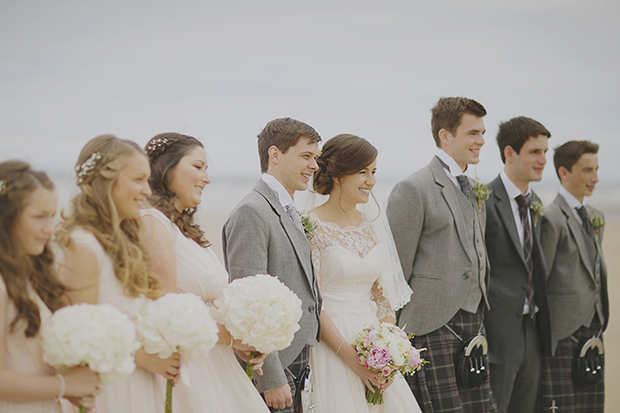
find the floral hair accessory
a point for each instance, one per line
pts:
(157, 146)
(84, 170)
(2, 187)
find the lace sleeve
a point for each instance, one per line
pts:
(317, 245)
(384, 309)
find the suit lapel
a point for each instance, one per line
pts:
(296, 237)
(578, 234)
(504, 210)
(450, 195)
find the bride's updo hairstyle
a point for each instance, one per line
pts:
(98, 168)
(342, 155)
(18, 181)
(165, 151)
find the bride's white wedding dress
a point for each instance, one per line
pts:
(348, 263)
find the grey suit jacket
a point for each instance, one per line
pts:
(577, 275)
(509, 276)
(259, 237)
(430, 232)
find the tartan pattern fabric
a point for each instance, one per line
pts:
(434, 386)
(293, 371)
(559, 384)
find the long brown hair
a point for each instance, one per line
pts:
(17, 269)
(93, 209)
(165, 151)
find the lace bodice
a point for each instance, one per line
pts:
(348, 260)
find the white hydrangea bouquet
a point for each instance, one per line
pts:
(386, 349)
(99, 336)
(177, 323)
(262, 312)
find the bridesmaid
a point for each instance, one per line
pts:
(28, 290)
(102, 261)
(184, 261)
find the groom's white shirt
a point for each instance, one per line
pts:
(454, 167)
(283, 196)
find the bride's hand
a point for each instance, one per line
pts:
(244, 352)
(370, 378)
(168, 368)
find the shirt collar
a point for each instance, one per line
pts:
(455, 169)
(511, 188)
(283, 196)
(570, 199)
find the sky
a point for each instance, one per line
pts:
(74, 69)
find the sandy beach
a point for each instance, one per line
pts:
(212, 223)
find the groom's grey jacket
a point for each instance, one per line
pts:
(260, 238)
(440, 241)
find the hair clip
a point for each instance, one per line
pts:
(157, 145)
(84, 170)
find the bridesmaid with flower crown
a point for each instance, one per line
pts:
(29, 292)
(185, 262)
(102, 261)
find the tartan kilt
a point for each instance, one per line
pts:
(434, 386)
(559, 384)
(293, 371)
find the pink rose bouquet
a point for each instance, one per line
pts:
(386, 349)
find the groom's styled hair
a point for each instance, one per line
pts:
(283, 133)
(516, 132)
(447, 114)
(568, 154)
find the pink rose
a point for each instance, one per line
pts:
(386, 371)
(362, 360)
(414, 358)
(379, 356)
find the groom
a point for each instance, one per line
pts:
(439, 233)
(264, 234)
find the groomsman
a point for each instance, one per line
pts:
(439, 234)
(577, 282)
(519, 312)
(264, 234)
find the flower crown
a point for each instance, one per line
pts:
(84, 170)
(158, 146)
(2, 187)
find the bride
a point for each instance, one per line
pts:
(359, 277)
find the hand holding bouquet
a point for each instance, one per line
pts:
(99, 336)
(262, 312)
(177, 323)
(386, 349)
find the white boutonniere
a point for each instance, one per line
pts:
(481, 192)
(538, 210)
(309, 225)
(597, 222)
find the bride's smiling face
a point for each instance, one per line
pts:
(189, 178)
(357, 187)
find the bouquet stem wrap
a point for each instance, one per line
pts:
(169, 396)
(248, 368)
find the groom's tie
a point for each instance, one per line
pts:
(292, 213)
(585, 221)
(462, 180)
(524, 203)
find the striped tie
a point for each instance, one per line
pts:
(524, 203)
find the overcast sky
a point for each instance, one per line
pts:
(73, 69)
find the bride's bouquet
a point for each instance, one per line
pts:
(99, 336)
(262, 312)
(386, 349)
(177, 323)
